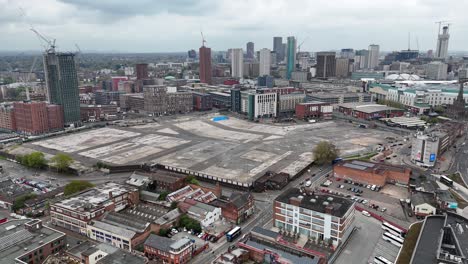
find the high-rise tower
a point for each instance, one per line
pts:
(250, 50)
(62, 84)
(205, 64)
(237, 63)
(442, 43)
(278, 48)
(265, 62)
(291, 56)
(373, 56)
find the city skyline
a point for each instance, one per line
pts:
(106, 25)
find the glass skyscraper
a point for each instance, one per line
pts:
(62, 84)
(290, 56)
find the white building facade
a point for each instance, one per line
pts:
(237, 63)
(265, 62)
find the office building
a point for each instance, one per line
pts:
(424, 149)
(250, 50)
(442, 43)
(266, 81)
(167, 250)
(235, 100)
(28, 241)
(342, 67)
(62, 84)
(339, 98)
(290, 57)
(205, 64)
(287, 102)
(361, 59)
(347, 53)
(141, 71)
(103, 97)
(278, 48)
(202, 101)
(237, 63)
(323, 217)
(265, 62)
(251, 69)
(74, 213)
(371, 173)
(159, 100)
(373, 59)
(259, 104)
(436, 70)
(300, 76)
(192, 54)
(326, 64)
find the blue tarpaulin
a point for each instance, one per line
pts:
(219, 118)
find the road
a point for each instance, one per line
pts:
(264, 203)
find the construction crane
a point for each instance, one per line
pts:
(299, 46)
(51, 43)
(203, 39)
(440, 24)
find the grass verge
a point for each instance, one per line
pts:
(460, 201)
(409, 244)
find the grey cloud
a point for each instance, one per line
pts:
(125, 8)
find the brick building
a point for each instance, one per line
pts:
(55, 117)
(163, 180)
(92, 113)
(27, 241)
(135, 102)
(167, 250)
(202, 101)
(116, 80)
(316, 109)
(141, 71)
(34, 118)
(74, 213)
(369, 111)
(371, 173)
(238, 208)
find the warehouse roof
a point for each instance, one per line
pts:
(369, 107)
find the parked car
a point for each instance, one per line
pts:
(366, 213)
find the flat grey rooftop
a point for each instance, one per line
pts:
(14, 239)
(428, 241)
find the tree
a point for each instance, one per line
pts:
(163, 195)
(61, 161)
(76, 186)
(163, 232)
(325, 152)
(33, 160)
(19, 202)
(190, 223)
(192, 180)
(174, 205)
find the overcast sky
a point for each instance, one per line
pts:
(174, 25)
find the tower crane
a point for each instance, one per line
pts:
(203, 39)
(299, 46)
(51, 43)
(440, 24)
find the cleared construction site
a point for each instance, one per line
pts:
(230, 150)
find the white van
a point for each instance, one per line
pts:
(308, 183)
